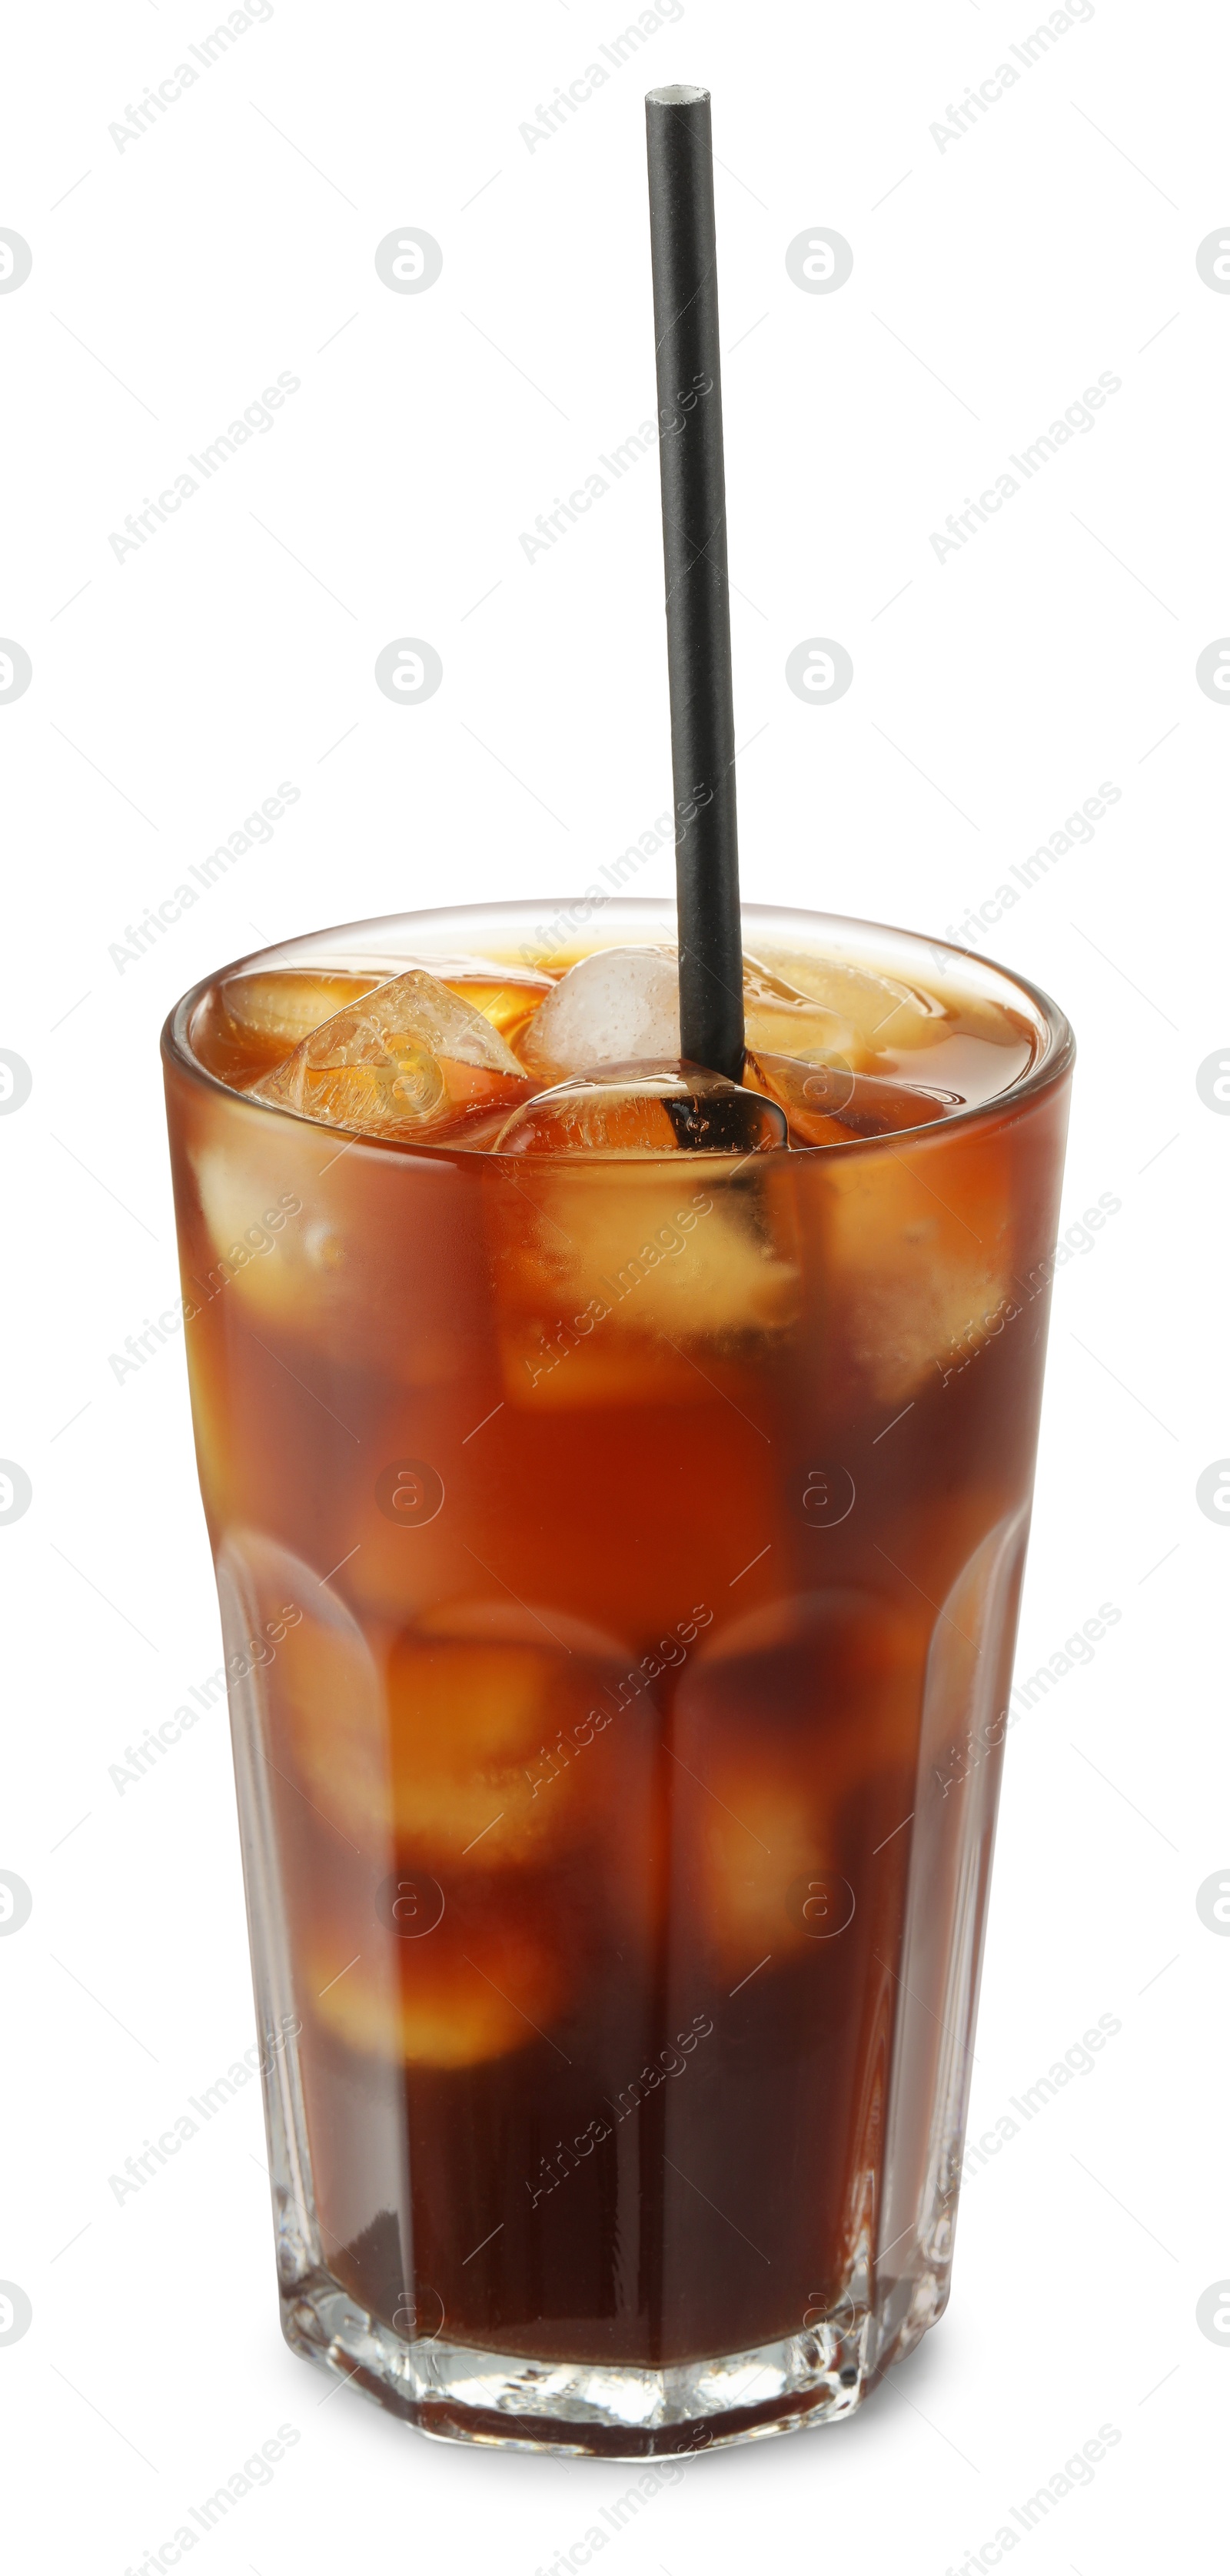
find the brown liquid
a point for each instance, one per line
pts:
(597, 1782)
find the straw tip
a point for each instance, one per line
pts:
(679, 96)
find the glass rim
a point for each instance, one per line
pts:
(1054, 1060)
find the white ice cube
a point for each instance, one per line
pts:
(619, 1006)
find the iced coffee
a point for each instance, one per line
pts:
(618, 1478)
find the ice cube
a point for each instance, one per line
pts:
(455, 1998)
(777, 1015)
(917, 1247)
(880, 1011)
(759, 1831)
(644, 1110)
(795, 1736)
(621, 1284)
(460, 1745)
(250, 1023)
(284, 1232)
(282, 1004)
(471, 1724)
(829, 1104)
(619, 1006)
(409, 1058)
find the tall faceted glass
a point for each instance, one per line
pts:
(619, 1565)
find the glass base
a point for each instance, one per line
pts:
(617, 2411)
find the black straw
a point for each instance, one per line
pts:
(685, 305)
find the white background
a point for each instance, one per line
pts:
(994, 691)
